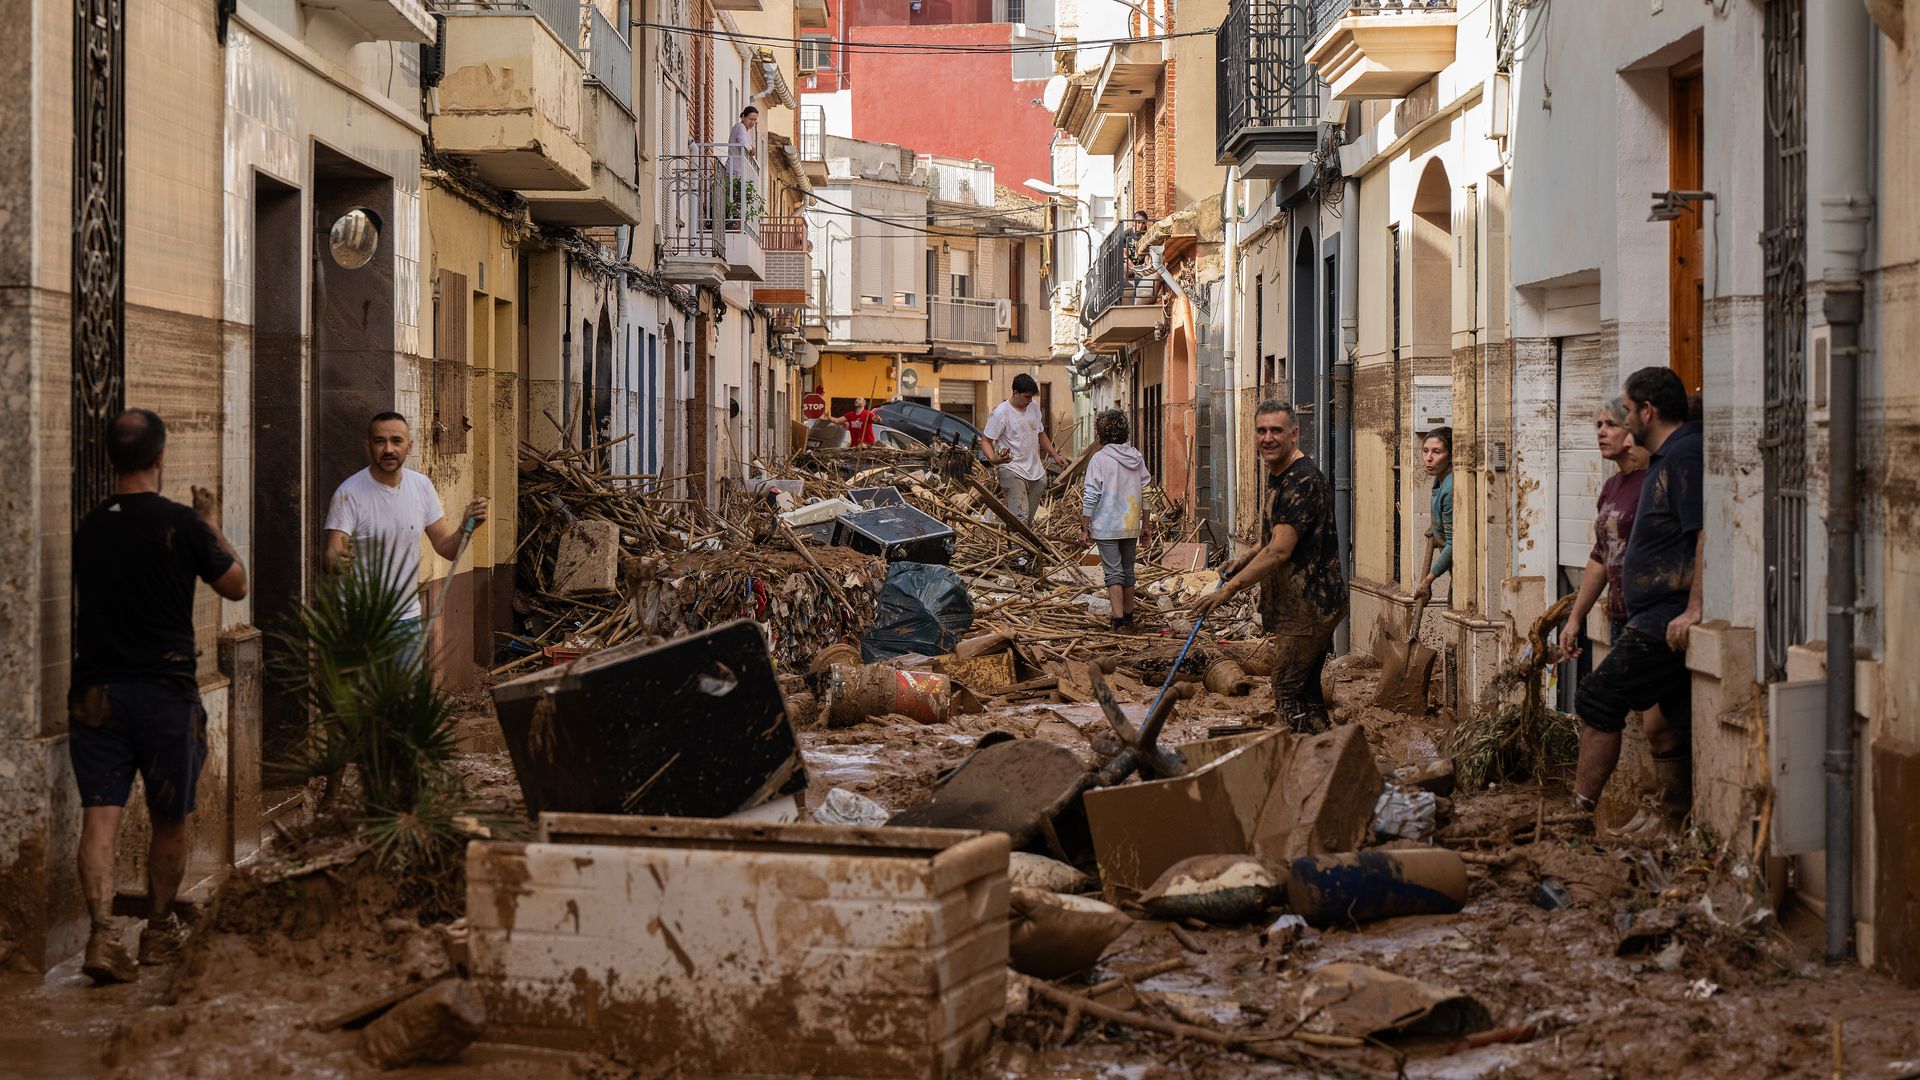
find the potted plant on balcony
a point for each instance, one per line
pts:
(744, 204)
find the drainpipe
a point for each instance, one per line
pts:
(1230, 376)
(1840, 51)
(1343, 388)
(566, 356)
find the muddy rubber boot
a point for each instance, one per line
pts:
(1674, 777)
(106, 959)
(161, 940)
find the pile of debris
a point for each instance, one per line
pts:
(604, 560)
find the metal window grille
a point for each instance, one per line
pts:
(1783, 244)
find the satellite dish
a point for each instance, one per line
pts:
(1056, 89)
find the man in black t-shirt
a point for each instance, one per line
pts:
(134, 704)
(1303, 590)
(1662, 573)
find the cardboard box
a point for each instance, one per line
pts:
(1274, 794)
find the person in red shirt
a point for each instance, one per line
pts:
(859, 423)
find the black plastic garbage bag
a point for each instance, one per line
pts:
(921, 609)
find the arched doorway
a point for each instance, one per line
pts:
(1428, 355)
(1303, 361)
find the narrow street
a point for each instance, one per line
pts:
(960, 538)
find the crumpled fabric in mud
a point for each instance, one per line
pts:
(922, 608)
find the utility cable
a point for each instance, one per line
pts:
(911, 48)
(915, 230)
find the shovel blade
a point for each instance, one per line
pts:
(1405, 690)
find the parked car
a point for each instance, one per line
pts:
(926, 423)
(827, 435)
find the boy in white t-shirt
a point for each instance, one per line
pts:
(389, 503)
(1014, 439)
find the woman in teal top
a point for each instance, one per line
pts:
(1436, 450)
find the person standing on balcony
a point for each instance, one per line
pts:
(1016, 436)
(742, 144)
(742, 147)
(1139, 260)
(859, 422)
(134, 704)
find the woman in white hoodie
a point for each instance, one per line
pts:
(1110, 509)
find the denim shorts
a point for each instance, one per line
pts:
(116, 729)
(1116, 559)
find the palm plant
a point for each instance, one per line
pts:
(356, 662)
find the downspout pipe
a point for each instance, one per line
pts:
(1839, 53)
(1343, 388)
(1229, 397)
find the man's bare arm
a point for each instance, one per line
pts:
(338, 553)
(1591, 582)
(1278, 549)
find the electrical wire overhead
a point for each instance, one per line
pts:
(909, 48)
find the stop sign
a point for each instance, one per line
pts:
(813, 406)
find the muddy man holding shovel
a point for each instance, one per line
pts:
(1303, 590)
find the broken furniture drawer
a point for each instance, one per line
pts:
(736, 949)
(694, 727)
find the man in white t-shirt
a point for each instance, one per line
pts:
(388, 503)
(1014, 440)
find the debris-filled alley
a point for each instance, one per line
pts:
(943, 828)
(960, 538)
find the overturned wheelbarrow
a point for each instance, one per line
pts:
(1030, 789)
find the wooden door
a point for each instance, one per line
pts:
(1686, 253)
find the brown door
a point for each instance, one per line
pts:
(1686, 253)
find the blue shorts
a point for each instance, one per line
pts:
(114, 729)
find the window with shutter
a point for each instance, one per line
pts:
(449, 364)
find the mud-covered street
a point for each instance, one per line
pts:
(1714, 985)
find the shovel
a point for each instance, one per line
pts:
(1405, 670)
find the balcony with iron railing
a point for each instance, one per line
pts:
(789, 263)
(511, 97)
(813, 142)
(693, 219)
(381, 20)
(813, 320)
(613, 196)
(746, 195)
(1119, 298)
(962, 320)
(1381, 48)
(1267, 110)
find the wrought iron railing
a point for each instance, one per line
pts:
(962, 320)
(813, 133)
(745, 192)
(694, 223)
(1114, 278)
(816, 314)
(1328, 12)
(563, 17)
(1263, 80)
(609, 56)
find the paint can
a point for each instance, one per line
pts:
(857, 692)
(1226, 676)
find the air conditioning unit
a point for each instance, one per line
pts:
(1003, 314)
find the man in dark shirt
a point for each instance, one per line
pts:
(1661, 577)
(134, 704)
(1303, 590)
